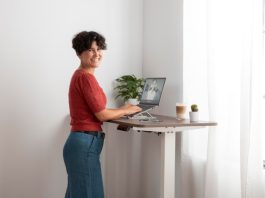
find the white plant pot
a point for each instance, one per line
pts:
(133, 101)
(194, 116)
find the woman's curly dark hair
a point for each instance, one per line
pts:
(83, 41)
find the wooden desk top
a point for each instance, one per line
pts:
(164, 121)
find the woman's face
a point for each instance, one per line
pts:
(92, 57)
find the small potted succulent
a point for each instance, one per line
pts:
(129, 88)
(194, 113)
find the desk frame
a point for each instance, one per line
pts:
(168, 130)
(168, 161)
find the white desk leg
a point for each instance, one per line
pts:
(168, 165)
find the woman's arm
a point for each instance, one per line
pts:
(111, 114)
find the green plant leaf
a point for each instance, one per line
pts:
(129, 86)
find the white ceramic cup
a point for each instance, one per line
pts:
(194, 116)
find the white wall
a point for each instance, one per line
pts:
(36, 64)
(162, 43)
(163, 57)
(35, 68)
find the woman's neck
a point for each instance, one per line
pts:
(87, 69)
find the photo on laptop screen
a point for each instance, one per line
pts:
(152, 90)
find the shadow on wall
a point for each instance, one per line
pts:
(52, 177)
(33, 160)
(49, 178)
(121, 163)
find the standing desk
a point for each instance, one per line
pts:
(167, 127)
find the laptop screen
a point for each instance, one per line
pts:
(152, 91)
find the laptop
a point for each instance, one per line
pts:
(151, 94)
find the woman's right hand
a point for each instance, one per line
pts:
(126, 106)
(131, 109)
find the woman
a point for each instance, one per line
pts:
(87, 103)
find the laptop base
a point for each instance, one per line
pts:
(144, 116)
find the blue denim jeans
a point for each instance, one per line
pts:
(81, 157)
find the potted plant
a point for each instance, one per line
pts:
(194, 113)
(129, 88)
